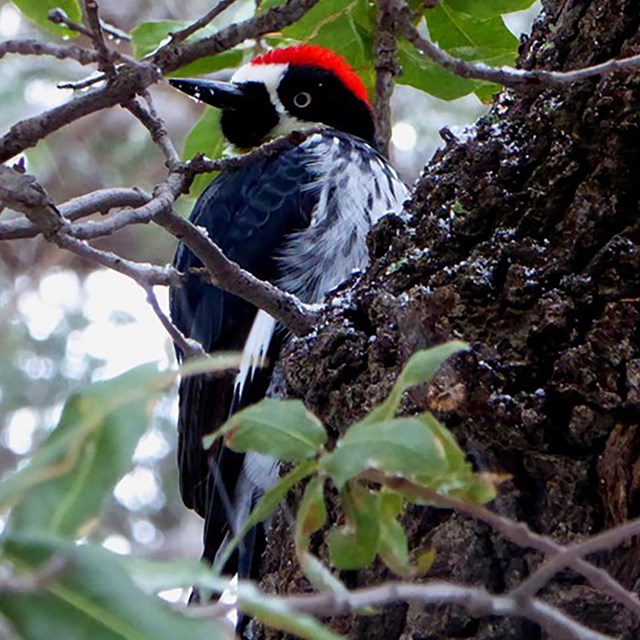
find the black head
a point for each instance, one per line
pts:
(285, 90)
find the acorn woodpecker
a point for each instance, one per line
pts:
(299, 219)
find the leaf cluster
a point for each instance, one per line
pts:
(381, 464)
(55, 500)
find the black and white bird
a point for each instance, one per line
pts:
(299, 219)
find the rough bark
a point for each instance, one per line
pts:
(525, 242)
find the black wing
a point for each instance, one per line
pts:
(247, 212)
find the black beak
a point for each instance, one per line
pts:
(223, 95)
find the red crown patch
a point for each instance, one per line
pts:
(312, 55)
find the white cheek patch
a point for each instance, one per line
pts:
(269, 75)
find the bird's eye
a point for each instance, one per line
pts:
(302, 100)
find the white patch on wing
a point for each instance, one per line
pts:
(255, 351)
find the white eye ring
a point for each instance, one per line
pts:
(302, 99)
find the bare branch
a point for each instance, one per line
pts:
(190, 348)
(173, 55)
(202, 22)
(37, 48)
(59, 16)
(156, 127)
(605, 540)
(518, 533)
(106, 57)
(114, 31)
(477, 601)
(28, 132)
(285, 307)
(100, 201)
(23, 193)
(227, 275)
(506, 76)
(164, 196)
(387, 67)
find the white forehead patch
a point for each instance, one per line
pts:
(268, 74)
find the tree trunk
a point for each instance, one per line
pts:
(525, 242)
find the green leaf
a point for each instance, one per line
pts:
(210, 64)
(354, 545)
(312, 513)
(465, 29)
(404, 447)
(148, 36)
(71, 475)
(206, 138)
(420, 368)
(284, 429)
(488, 8)
(393, 547)
(421, 73)
(268, 503)
(38, 11)
(92, 598)
(483, 37)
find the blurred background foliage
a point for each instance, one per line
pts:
(62, 323)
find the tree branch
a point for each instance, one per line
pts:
(190, 348)
(173, 55)
(506, 76)
(37, 48)
(477, 601)
(228, 275)
(603, 541)
(518, 533)
(105, 56)
(101, 201)
(387, 68)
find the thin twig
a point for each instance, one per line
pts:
(173, 55)
(114, 31)
(603, 541)
(202, 22)
(156, 127)
(85, 83)
(59, 16)
(106, 57)
(100, 201)
(189, 347)
(23, 193)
